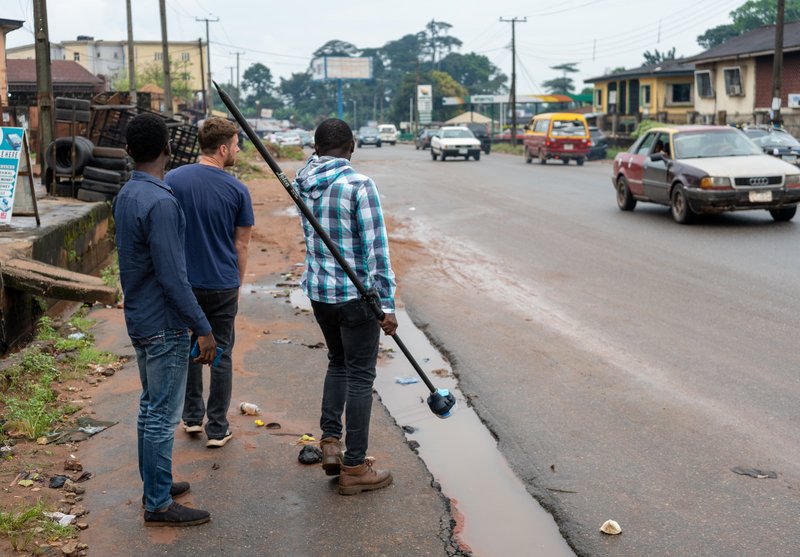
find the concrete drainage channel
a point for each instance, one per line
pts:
(495, 515)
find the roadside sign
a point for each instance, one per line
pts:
(11, 140)
(425, 118)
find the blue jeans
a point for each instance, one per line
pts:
(163, 360)
(352, 333)
(220, 307)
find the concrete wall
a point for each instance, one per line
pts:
(75, 236)
(736, 108)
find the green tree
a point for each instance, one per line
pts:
(563, 85)
(657, 57)
(745, 18)
(257, 79)
(436, 41)
(475, 72)
(153, 74)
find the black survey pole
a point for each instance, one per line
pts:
(370, 297)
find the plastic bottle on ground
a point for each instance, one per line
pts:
(249, 408)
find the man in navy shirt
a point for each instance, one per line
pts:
(159, 306)
(219, 218)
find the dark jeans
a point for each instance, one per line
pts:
(220, 307)
(352, 333)
(162, 370)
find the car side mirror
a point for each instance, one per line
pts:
(655, 157)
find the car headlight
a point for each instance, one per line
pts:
(792, 180)
(714, 182)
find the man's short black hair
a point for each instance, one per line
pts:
(146, 135)
(332, 134)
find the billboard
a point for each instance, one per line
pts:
(341, 67)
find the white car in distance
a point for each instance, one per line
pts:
(455, 141)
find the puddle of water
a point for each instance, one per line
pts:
(496, 515)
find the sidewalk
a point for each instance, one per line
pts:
(263, 502)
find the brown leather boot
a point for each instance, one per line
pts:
(331, 455)
(355, 479)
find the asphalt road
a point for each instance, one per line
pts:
(625, 363)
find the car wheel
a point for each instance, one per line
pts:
(359, 145)
(784, 214)
(466, 157)
(542, 158)
(625, 199)
(477, 156)
(379, 145)
(442, 156)
(681, 212)
(433, 155)
(416, 147)
(528, 157)
(579, 162)
(565, 161)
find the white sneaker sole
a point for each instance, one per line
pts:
(193, 428)
(216, 443)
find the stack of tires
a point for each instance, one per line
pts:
(108, 170)
(68, 110)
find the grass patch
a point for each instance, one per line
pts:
(23, 524)
(110, 274)
(507, 148)
(45, 329)
(612, 152)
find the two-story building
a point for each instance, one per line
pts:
(662, 92)
(733, 81)
(109, 59)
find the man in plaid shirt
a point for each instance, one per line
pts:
(348, 207)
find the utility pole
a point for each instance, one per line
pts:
(44, 81)
(777, 66)
(162, 5)
(210, 96)
(203, 76)
(238, 76)
(231, 68)
(513, 21)
(131, 64)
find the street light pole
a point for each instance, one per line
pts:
(355, 114)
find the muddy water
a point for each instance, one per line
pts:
(495, 514)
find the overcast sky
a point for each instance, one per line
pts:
(597, 34)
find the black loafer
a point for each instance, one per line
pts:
(176, 515)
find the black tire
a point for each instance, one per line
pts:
(379, 145)
(442, 156)
(66, 115)
(433, 155)
(783, 214)
(416, 147)
(101, 187)
(110, 164)
(579, 162)
(93, 196)
(59, 154)
(109, 152)
(102, 175)
(565, 161)
(528, 157)
(360, 145)
(625, 199)
(542, 158)
(477, 156)
(124, 177)
(679, 206)
(69, 103)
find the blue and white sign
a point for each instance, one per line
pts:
(10, 150)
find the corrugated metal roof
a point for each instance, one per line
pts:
(670, 67)
(757, 41)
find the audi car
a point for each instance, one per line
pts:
(704, 170)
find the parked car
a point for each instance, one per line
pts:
(561, 136)
(388, 133)
(481, 133)
(704, 169)
(505, 136)
(423, 139)
(286, 139)
(455, 141)
(599, 146)
(367, 135)
(306, 138)
(776, 142)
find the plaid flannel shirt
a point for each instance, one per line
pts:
(348, 207)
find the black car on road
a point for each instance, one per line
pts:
(481, 133)
(367, 135)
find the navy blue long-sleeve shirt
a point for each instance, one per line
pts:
(152, 265)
